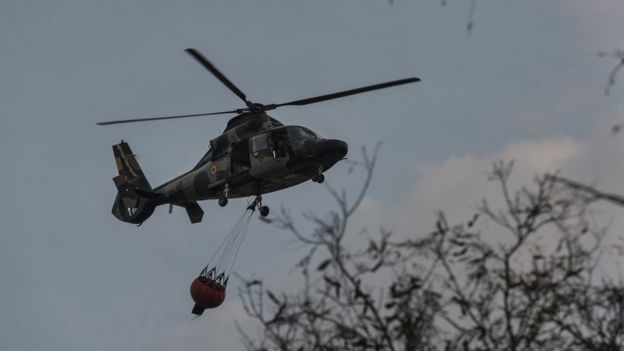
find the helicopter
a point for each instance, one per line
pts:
(255, 155)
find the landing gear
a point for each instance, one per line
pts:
(223, 201)
(319, 178)
(257, 204)
(223, 196)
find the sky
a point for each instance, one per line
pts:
(526, 85)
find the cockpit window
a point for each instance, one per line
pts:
(300, 133)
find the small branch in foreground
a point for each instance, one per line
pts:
(619, 55)
(594, 193)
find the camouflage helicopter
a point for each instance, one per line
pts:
(255, 155)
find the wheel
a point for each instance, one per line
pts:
(319, 178)
(223, 201)
(264, 211)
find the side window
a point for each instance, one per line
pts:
(259, 143)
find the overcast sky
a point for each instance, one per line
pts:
(527, 85)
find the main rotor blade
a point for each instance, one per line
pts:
(165, 117)
(346, 93)
(213, 69)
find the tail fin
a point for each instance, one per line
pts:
(134, 202)
(128, 167)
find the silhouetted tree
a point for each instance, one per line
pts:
(520, 276)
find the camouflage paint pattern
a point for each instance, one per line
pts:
(213, 177)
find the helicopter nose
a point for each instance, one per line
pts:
(334, 148)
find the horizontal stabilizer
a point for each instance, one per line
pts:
(194, 212)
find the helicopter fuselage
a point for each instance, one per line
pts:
(255, 155)
(268, 161)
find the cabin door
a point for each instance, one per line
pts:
(263, 158)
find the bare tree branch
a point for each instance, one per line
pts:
(594, 193)
(619, 55)
(526, 283)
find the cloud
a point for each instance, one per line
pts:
(457, 184)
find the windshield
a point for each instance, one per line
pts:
(300, 133)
